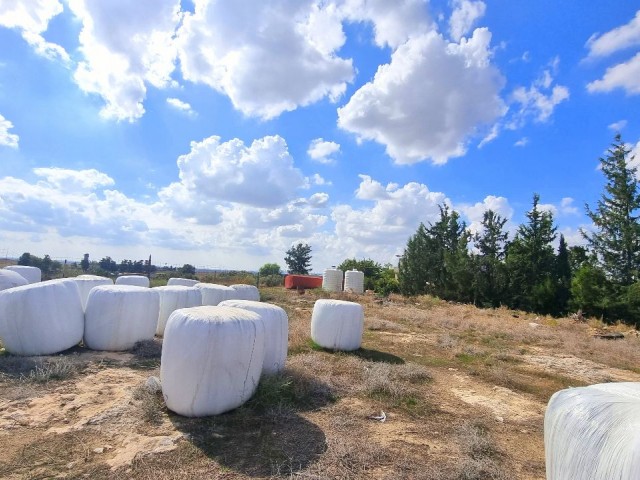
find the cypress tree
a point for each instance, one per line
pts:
(616, 238)
(488, 282)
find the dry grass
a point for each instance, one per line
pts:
(316, 419)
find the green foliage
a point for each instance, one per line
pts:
(298, 259)
(563, 277)
(590, 290)
(84, 263)
(436, 260)
(387, 282)
(188, 269)
(271, 280)
(530, 262)
(616, 239)
(49, 268)
(108, 265)
(489, 281)
(269, 269)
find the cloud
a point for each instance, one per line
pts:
(32, 20)
(267, 57)
(617, 126)
(262, 174)
(394, 21)
(125, 47)
(74, 180)
(321, 151)
(539, 100)
(7, 139)
(624, 75)
(317, 179)
(428, 101)
(475, 212)
(464, 16)
(567, 207)
(615, 40)
(181, 106)
(523, 142)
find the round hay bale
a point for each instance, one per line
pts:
(174, 297)
(10, 279)
(135, 280)
(185, 282)
(337, 325)
(32, 274)
(276, 332)
(213, 294)
(211, 359)
(118, 316)
(593, 432)
(246, 292)
(41, 318)
(87, 282)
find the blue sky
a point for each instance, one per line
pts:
(220, 133)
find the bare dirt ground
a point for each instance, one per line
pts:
(463, 390)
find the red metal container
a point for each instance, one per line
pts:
(302, 281)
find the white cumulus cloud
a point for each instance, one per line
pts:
(322, 151)
(6, 138)
(181, 106)
(625, 75)
(464, 16)
(619, 38)
(32, 18)
(74, 180)
(125, 46)
(267, 57)
(261, 174)
(429, 100)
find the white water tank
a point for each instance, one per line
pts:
(332, 280)
(354, 281)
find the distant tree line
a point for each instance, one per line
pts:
(526, 272)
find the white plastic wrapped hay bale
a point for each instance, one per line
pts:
(32, 274)
(246, 292)
(276, 331)
(337, 324)
(118, 316)
(87, 282)
(185, 282)
(41, 318)
(174, 297)
(354, 281)
(211, 359)
(10, 279)
(593, 433)
(332, 280)
(135, 280)
(213, 294)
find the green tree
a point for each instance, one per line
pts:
(25, 259)
(298, 259)
(616, 238)
(84, 263)
(590, 290)
(371, 269)
(269, 269)
(187, 269)
(563, 276)
(530, 263)
(436, 259)
(108, 265)
(489, 276)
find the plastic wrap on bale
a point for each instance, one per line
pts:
(246, 292)
(337, 324)
(118, 316)
(41, 318)
(11, 279)
(593, 433)
(87, 282)
(213, 294)
(135, 280)
(185, 282)
(276, 331)
(211, 359)
(32, 274)
(173, 297)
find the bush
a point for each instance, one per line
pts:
(271, 280)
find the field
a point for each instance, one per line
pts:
(463, 390)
